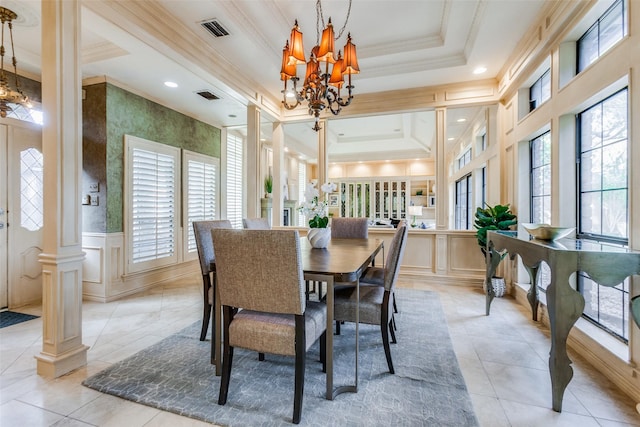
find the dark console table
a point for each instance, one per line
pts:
(607, 265)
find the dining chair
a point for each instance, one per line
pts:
(350, 228)
(256, 224)
(375, 275)
(206, 255)
(375, 301)
(262, 293)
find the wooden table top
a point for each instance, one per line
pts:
(345, 259)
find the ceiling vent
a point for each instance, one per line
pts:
(207, 95)
(215, 27)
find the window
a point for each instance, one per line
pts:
(32, 115)
(464, 207)
(603, 180)
(31, 189)
(540, 170)
(464, 159)
(235, 180)
(483, 188)
(302, 186)
(540, 91)
(200, 194)
(602, 35)
(152, 172)
(603, 203)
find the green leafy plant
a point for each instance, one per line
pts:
(498, 217)
(268, 184)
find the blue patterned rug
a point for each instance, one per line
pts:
(10, 318)
(427, 390)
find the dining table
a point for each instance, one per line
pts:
(343, 261)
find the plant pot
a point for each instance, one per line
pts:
(319, 237)
(499, 286)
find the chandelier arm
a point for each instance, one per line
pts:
(13, 58)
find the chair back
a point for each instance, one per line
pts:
(350, 228)
(256, 223)
(396, 251)
(260, 270)
(202, 233)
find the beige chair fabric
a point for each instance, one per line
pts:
(375, 301)
(350, 228)
(260, 274)
(256, 224)
(206, 255)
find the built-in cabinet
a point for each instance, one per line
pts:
(386, 198)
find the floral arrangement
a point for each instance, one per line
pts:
(315, 209)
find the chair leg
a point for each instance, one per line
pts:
(300, 367)
(206, 315)
(228, 358)
(323, 351)
(261, 357)
(337, 327)
(392, 331)
(385, 326)
(395, 307)
(393, 323)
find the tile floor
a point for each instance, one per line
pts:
(503, 358)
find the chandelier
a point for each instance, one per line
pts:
(8, 95)
(321, 87)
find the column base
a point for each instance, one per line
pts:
(50, 366)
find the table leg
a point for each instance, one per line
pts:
(493, 258)
(332, 391)
(565, 306)
(532, 295)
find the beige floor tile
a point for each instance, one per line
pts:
(109, 410)
(167, 419)
(489, 412)
(522, 415)
(16, 413)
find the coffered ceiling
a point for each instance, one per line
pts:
(401, 44)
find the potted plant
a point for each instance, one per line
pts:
(498, 217)
(268, 185)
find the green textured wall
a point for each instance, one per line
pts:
(126, 113)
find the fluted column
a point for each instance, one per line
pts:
(62, 256)
(254, 176)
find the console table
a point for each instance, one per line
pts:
(607, 265)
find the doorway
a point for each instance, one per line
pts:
(21, 213)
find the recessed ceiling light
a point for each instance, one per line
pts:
(480, 70)
(461, 120)
(450, 139)
(396, 130)
(233, 116)
(170, 84)
(341, 134)
(360, 161)
(286, 149)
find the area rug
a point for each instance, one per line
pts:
(10, 318)
(427, 389)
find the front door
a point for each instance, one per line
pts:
(22, 235)
(4, 289)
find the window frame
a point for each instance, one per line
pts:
(132, 143)
(468, 207)
(580, 67)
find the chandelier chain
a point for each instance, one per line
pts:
(320, 17)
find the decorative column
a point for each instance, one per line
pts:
(323, 157)
(277, 144)
(442, 202)
(62, 256)
(442, 211)
(254, 177)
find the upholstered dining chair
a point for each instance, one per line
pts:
(206, 255)
(347, 228)
(375, 301)
(350, 228)
(256, 224)
(261, 290)
(375, 275)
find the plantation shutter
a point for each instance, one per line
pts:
(201, 192)
(153, 205)
(235, 183)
